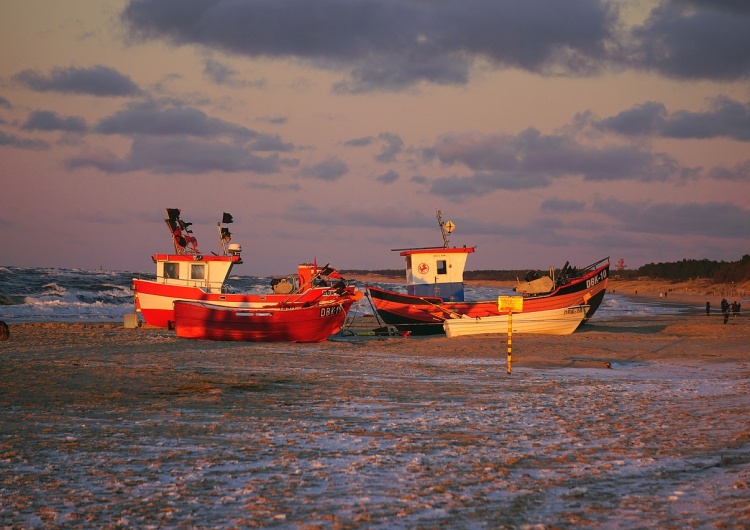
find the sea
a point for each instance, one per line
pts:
(31, 294)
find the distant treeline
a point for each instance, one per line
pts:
(687, 269)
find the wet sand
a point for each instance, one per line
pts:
(626, 423)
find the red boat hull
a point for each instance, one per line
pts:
(155, 300)
(425, 315)
(297, 323)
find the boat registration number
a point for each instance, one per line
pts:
(596, 279)
(330, 310)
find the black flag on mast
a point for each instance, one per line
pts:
(227, 218)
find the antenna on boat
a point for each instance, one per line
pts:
(225, 236)
(445, 228)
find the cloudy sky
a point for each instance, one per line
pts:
(335, 130)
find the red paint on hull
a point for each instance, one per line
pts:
(298, 323)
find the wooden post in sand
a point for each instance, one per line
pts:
(510, 304)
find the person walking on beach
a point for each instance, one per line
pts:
(725, 309)
(708, 309)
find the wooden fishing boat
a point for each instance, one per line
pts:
(189, 274)
(549, 322)
(435, 289)
(287, 323)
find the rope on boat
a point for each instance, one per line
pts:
(453, 314)
(349, 322)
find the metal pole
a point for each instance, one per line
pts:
(510, 338)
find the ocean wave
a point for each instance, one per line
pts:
(12, 300)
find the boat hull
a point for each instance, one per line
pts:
(298, 323)
(426, 315)
(550, 322)
(155, 301)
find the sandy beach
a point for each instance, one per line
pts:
(624, 424)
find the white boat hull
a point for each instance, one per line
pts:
(552, 322)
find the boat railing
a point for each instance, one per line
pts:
(208, 286)
(567, 273)
(595, 265)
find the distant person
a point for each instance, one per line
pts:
(708, 308)
(725, 309)
(735, 308)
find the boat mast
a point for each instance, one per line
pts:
(225, 236)
(445, 228)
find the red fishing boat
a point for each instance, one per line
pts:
(285, 323)
(191, 275)
(435, 289)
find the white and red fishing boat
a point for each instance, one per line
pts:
(551, 322)
(296, 322)
(191, 275)
(435, 289)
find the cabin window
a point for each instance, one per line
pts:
(442, 267)
(197, 272)
(171, 270)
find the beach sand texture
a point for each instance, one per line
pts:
(624, 424)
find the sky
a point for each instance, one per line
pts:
(335, 130)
